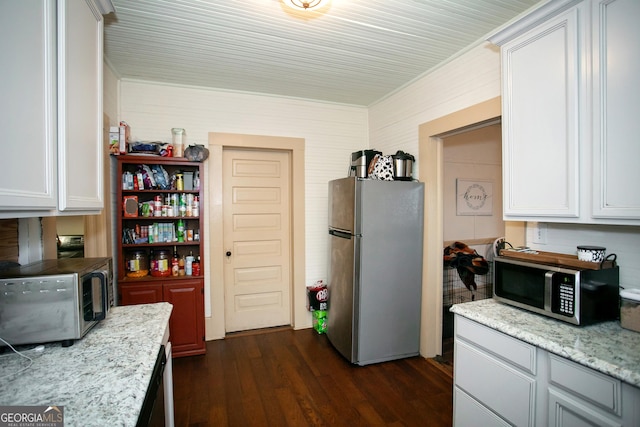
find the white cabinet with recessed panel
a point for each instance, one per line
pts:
(489, 366)
(52, 115)
(615, 43)
(570, 106)
(500, 380)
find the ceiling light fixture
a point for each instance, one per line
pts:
(304, 4)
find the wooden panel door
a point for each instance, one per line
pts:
(187, 318)
(140, 294)
(257, 239)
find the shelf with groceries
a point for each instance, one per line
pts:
(160, 222)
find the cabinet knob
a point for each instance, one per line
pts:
(228, 253)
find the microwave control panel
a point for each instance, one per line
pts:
(564, 294)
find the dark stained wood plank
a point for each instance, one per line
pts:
(9, 250)
(296, 378)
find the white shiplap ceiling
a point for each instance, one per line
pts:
(353, 51)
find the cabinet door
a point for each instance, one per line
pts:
(27, 42)
(80, 147)
(487, 379)
(616, 108)
(187, 319)
(541, 78)
(566, 411)
(140, 294)
(471, 413)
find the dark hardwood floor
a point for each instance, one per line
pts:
(284, 377)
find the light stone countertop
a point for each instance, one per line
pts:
(102, 379)
(605, 347)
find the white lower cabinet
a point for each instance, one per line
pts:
(500, 380)
(567, 411)
(473, 413)
(486, 378)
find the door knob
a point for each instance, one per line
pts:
(228, 253)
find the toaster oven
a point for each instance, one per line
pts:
(54, 300)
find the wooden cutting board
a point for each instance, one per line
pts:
(552, 258)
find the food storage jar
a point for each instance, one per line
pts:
(177, 142)
(137, 264)
(162, 264)
(630, 309)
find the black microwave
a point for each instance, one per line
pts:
(573, 295)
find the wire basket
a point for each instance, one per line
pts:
(455, 292)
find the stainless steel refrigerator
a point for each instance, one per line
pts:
(375, 269)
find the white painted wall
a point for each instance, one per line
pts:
(331, 133)
(476, 156)
(624, 241)
(110, 96)
(471, 78)
(70, 225)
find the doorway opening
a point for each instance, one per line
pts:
(431, 164)
(472, 218)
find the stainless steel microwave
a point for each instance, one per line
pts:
(573, 295)
(54, 300)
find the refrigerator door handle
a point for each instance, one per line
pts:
(341, 234)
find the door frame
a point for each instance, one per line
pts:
(431, 164)
(214, 317)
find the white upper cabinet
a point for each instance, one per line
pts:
(616, 108)
(28, 116)
(80, 140)
(570, 113)
(52, 107)
(541, 92)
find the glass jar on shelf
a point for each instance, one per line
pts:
(162, 264)
(137, 264)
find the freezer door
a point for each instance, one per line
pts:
(340, 321)
(341, 204)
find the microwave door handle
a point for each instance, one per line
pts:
(103, 301)
(548, 281)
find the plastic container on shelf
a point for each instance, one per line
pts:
(162, 264)
(137, 264)
(630, 309)
(188, 265)
(177, 142)
(195, 267)
(180, 234)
